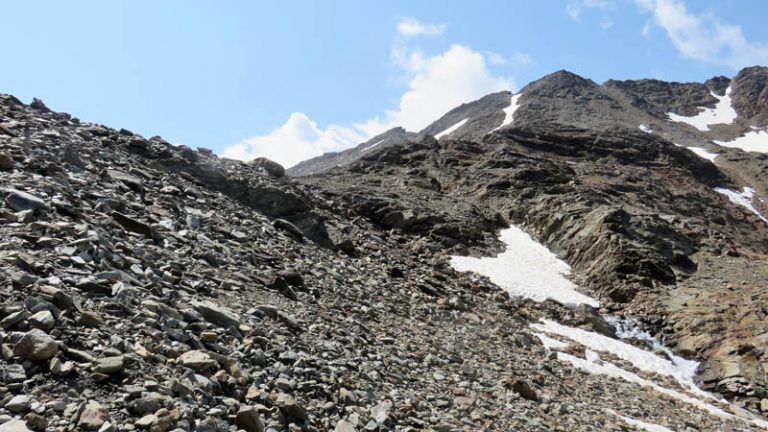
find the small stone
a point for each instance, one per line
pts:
(42, 320)
(146, 422)
(91, 319)
(6, 162)
(131, 224)
(109, 365)
(764, 405)
(36, 345)
(93, 417)
(344, 426)
(524, 390)
(150, 403)
(218, 315)
(197, 360)
(253, 393)
(14, 426)
(13, 319)
(21, 201)
(164, 421)
(14, 373)
(38, 422)
(18, 404)
(248, 419)
(290, 407)
(380, 413)
(23, 279)
(348, 398)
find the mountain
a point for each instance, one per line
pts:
(328, 161)
(530, 261)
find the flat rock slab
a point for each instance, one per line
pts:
(21, 201)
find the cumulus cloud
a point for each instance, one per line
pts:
(411, 27)
(435, 85)
(438, 84)
(517, 58)
(297, 139)
(703, 37)
(574, 8)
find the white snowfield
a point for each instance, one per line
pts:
(526, 269)
(743, 198)
(722, 113)
(645, 129)
(755, 140)
(451, 129)
(509, 112)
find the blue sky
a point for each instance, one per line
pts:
(292, 79)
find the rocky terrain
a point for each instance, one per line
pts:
(154, 287)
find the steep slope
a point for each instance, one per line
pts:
(639, 218)
(148, 286)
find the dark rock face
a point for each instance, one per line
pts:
(751, 95)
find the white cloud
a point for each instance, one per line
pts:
(574, 7)
(606, 23)
(411, 27)
(298, 139)
(435, 85)
(704, 37)
(517, 58)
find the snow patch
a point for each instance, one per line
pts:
(451, 129)
(650, 427)
(527, 269)
(703, 153)
(373, 145)
(700, 152)
(645, 129)
(682, 370)
(743, 198)
(509, 112)
(549, 343)
(755, 140)
(722, 113)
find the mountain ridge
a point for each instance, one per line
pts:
(157, 287)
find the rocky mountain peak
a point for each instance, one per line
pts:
(559, 83)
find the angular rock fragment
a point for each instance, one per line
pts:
(36, 345)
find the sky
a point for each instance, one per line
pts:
(290, 80)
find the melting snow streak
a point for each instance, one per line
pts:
(743, 199)
(509, 112)
(451, 129)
